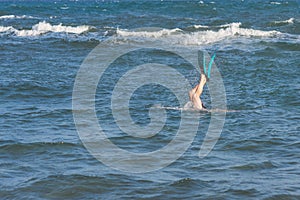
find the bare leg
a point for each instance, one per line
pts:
(201, 85)
(196, 92)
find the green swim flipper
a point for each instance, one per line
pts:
(208, 70)
(210, 65)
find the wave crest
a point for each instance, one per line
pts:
(16, 17)
(198, 37)
(44, 27)
(155, 32)
(288, 21)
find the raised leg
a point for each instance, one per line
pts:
(200, 86)
(198, 89)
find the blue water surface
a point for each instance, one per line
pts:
(43, 44)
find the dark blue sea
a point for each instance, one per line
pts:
(44, 47)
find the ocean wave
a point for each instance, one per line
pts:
(184, 181)
(200, 26)
(255, 166)
(218, 26)
(275, 3)
(288, 21)
(149, 32)
(44, 27)
(10, 147)
(178, 36)
(6, 29)
(191, 35)
(16, 17)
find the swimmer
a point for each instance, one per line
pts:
(196, 92)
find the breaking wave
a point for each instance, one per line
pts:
(44, 27)
(191, 35)
(179, 36)
(16, 17)
(288, 21)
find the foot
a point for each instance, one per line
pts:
(203, 79)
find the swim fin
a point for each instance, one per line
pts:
(208, 70)
(210, 65)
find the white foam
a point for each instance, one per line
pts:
(7, 16)
(44, 27)
(288, 21)
(6, 29)
(200, 26)
(148, 33)
(219, 26)
(64, 7)
(275, 3)
(200, 37)
(15, 17)
(230, 24)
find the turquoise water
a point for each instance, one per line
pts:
(43, 45)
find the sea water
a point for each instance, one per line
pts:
(43, 45)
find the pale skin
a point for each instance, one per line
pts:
(196, 92)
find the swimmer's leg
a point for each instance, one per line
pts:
(198, 89)
(200, 86)
(192, 92)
